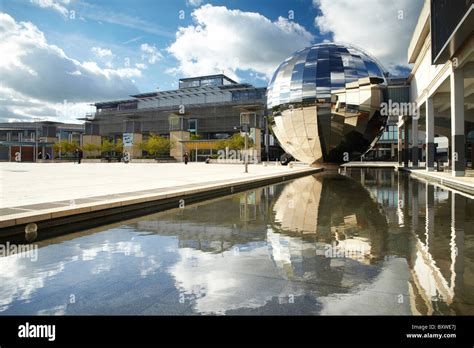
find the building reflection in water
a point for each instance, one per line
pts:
(364, 242)
(435, 221)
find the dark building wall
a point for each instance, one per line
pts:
(446, 15)
(210, 118)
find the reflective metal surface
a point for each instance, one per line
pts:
(368, 242)
(325, 102)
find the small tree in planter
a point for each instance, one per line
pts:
(195, 137)
(157, 146)
(118, 148)
(66, 148)
(107, 147)
(235, 142)
(90, 149)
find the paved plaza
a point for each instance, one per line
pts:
(33, 183)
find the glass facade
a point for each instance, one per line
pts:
(202, 81)
(325, 102)
(390, 134)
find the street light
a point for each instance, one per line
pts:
(36, 139)
(245, 127)
(246, 164)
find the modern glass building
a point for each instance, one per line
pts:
(25, 141)
(386, 148)
(203, 110)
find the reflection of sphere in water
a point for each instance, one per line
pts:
(296, 209)
(331, 212)
(325, 101)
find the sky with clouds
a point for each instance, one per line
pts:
(58, 56)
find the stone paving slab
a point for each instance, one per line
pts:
(32, 183)
(462, 183)
(201, 178)
(358, 164)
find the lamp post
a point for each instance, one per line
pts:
(245, 127)
(246, 155)
(36, 139)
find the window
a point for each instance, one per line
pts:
(14, 136)
(192, 125)
(211, 82)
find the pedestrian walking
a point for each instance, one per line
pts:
(79, 155)
(186, 158)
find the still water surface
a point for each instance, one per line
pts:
(367, 242)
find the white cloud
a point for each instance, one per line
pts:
(194, 3)
(103, 15)
(227, 40)
(15, 107)
(102, 52)
(140, 66)
(105, 55)
(383, 28)
(94, 12)
(56, 5)
(150, 53)
(51, 75)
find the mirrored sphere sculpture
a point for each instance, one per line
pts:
(324, 103)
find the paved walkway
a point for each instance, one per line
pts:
(358, 164)
(31, 192)
(31, 183)
(462, 183)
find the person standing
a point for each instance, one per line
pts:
(186, 157)
(79, 154)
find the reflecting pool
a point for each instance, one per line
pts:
(361, 242)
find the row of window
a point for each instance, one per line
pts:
(391, 133)
(29, 135)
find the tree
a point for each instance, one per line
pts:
(157, 145)
(119, 146)
(196, 137)
(91, 147)
(235, 142)
(65, 147)
(107, 146)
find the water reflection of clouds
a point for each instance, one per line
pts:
(17, 283)
(331, 260)
(387, 294)
(21, 279)
(227, 281)
(218, 283)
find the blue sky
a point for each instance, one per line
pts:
(64, 54)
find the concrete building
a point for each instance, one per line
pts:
(386, 148)
(441, 84)
(203, 110)
(26, 141)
